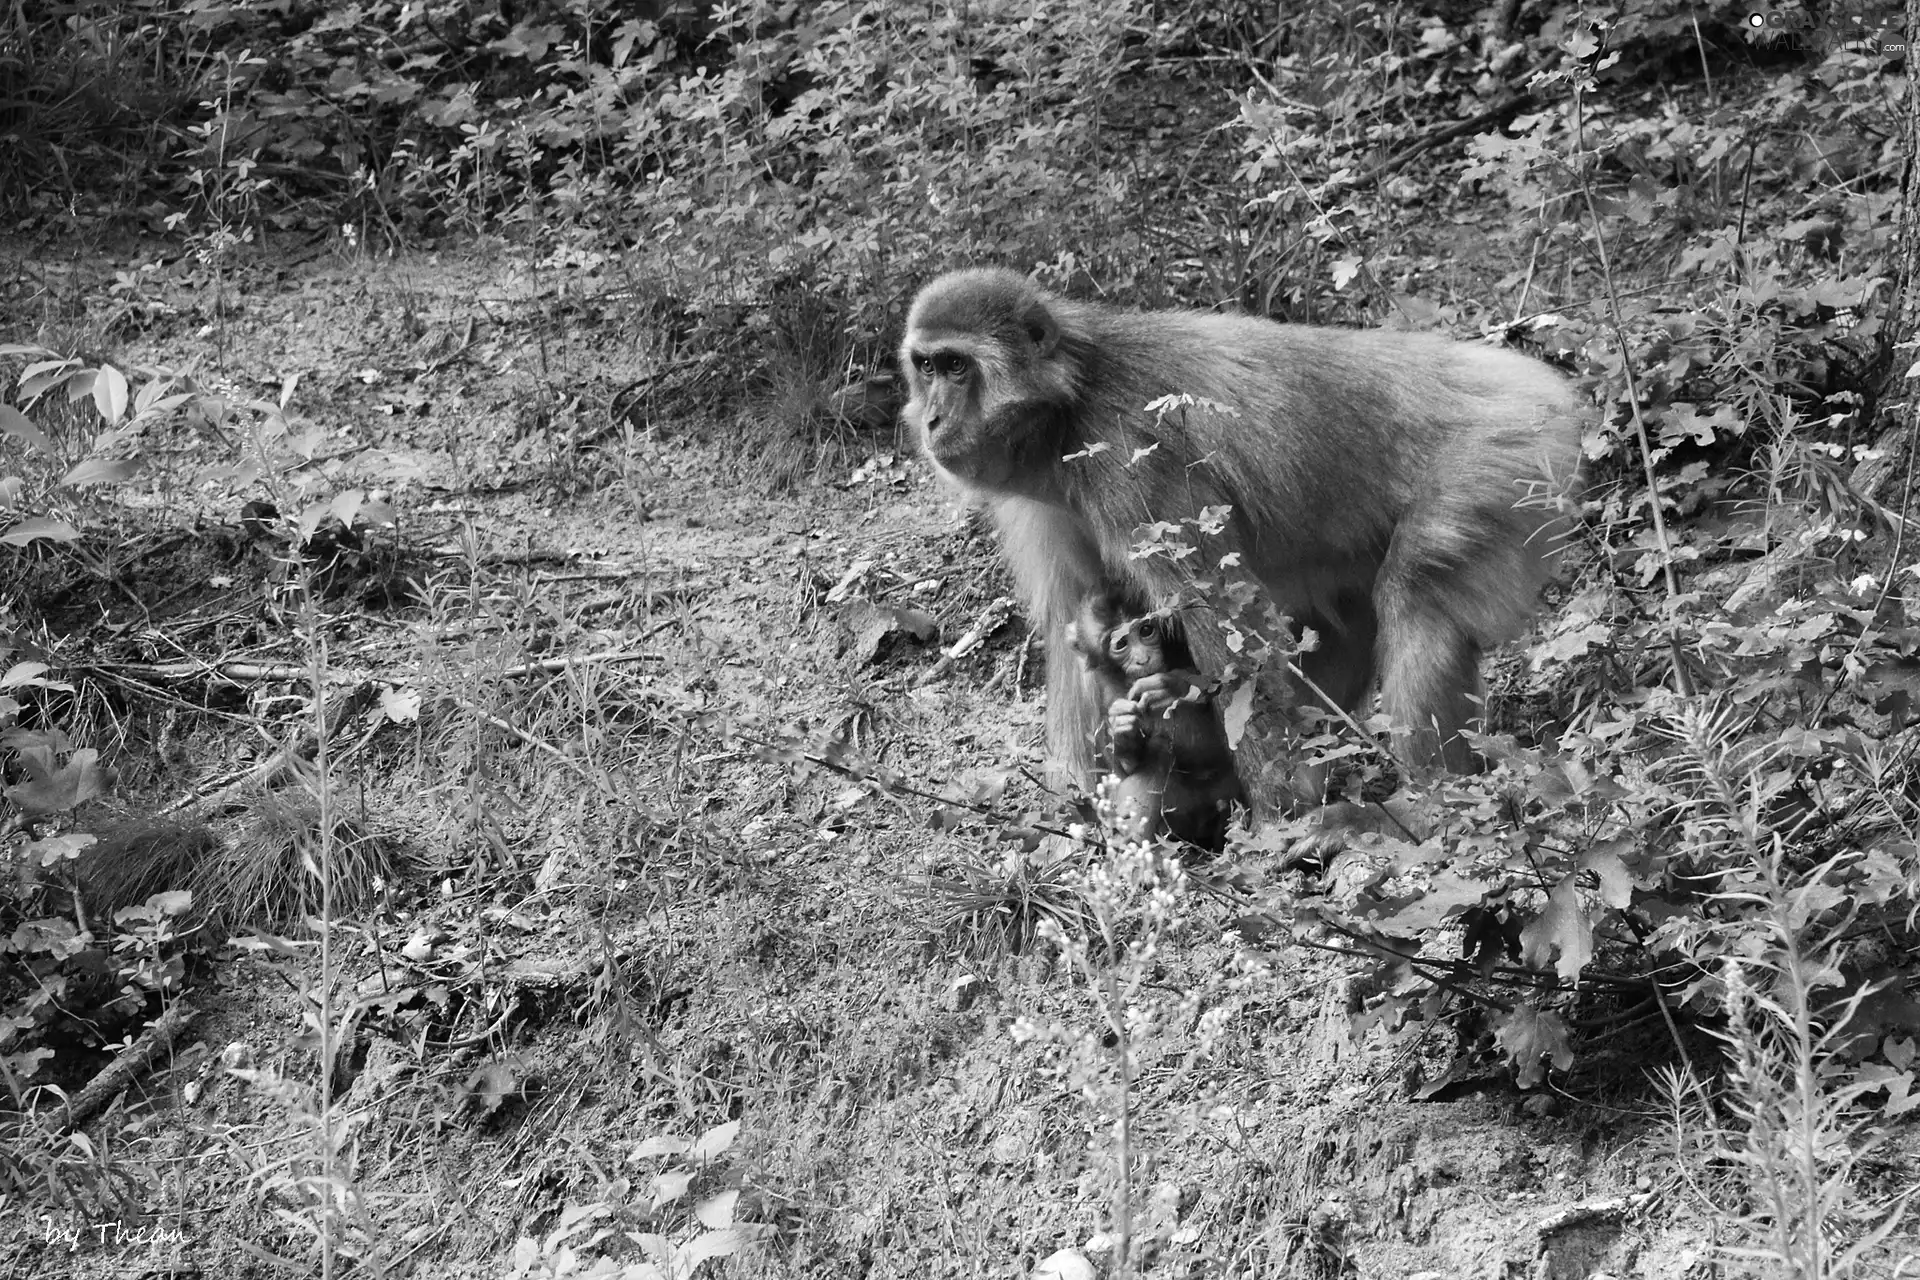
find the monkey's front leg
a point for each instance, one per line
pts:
(1157, 694)
(1137, 722)
(1337, 825)
(1137, 784)
(1127, 731)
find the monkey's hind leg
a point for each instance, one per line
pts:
(1430, 680)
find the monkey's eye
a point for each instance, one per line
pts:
(1149, 628)
(950, 364)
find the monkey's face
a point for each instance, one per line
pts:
(944, 378)
(1139, 647)
(960, 411)
(989, 380)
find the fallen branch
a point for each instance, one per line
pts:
(103, 1088)
(342, 710)
(238, 672)
(991, 619)
(241, 672)
(554, 666)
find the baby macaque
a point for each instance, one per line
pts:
(1171, 768)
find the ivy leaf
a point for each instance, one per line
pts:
(1616, 882)
(345, 506)
(49, 850)
(400, 705)
(1237, 712)
(55, 789)
(1529, 1036)
(1898, 1084)
(1568, 645)
(1685, 422)
(491, 1085)
(1562, 927)
(1451, 895)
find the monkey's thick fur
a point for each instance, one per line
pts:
(1396, 492)
(1171, 770)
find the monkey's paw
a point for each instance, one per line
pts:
(1330, 829)
(1156, 694)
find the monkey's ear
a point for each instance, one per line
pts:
(1042, 330)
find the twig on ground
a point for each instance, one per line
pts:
(119, 1073)
(991, 619)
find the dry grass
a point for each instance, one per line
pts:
(269, 874)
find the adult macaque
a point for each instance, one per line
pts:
(1396, 492)
(1171, 768)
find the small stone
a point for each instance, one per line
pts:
(1067, 1264)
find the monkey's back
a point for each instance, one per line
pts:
(1410, 418)
(1346, 444)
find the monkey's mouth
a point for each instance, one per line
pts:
(953, 454)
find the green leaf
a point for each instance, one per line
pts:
(346, 506)
(717, 1211)
(716, 1244)
(716, 1140)
(20, 427)
(24, 673)
(36, 379)
(39, 527)
(670, 1186)
(662, 1145)
(110, 393)
(101, 471)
